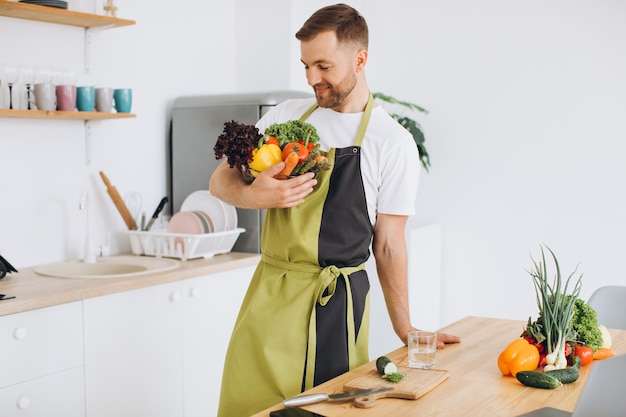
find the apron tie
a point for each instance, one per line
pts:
(326, 289)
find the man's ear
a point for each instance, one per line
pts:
(361, 59)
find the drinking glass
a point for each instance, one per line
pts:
(27, 75)
(11, 76)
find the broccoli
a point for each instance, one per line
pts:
(585, 324)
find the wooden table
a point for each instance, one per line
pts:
(475, 386)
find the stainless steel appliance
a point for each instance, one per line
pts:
(197, 121)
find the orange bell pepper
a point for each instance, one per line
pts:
(518, 356)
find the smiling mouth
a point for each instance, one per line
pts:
(321, 90)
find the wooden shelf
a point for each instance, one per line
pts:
(63, 115)
(60, 16)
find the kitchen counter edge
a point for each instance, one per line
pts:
(33, 291)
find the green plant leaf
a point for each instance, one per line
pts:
(393, 100)
(414, 129)
(409, 124)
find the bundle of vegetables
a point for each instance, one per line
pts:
(299, 144)
(294, 142)
(584, 338)
(554, 326)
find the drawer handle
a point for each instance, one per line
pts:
(194, 292)
(174, 296)
(23, 403)
(20, 333)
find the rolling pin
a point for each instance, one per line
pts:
(119, 203)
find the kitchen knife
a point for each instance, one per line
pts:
(318, 398)
(158, 210)
(119, 203)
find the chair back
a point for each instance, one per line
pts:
(610, 304)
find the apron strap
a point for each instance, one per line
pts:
(308, 112)
(360, 134)
(364, 120)
(326, 289)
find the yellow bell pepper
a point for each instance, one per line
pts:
(265, 156)
(518, 356)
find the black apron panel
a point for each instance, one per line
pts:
(346, 231)
(332, 333)
(360, 286)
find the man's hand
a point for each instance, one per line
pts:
(444, 339)
(269, 192)
(265, 191)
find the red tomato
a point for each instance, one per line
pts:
(585, 353)
(309, 145)
(301, 150)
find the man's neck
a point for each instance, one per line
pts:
(356, 101)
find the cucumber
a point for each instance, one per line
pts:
(385, 366)
(566, 376)
(538, 379)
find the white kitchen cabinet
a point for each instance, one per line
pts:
(210, 308)
(41, 351)
(59, 394)
(133, 361)
(157, 351)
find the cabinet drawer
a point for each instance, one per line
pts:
(40, 342)
(61, 394)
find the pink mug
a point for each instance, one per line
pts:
(66, 97)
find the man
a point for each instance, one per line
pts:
(305, 317)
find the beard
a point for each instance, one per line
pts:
(335, 96)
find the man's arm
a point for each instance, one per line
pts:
(390, 252)
(227, 184)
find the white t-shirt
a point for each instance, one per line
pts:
(390, 164)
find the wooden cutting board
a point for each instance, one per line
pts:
(415, 384)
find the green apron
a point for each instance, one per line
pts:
(305, 316)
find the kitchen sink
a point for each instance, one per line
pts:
(108, 267)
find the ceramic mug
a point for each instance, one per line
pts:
(45, 96)
(85, 98)
(66, 97)
(123, 98)
(104, 99)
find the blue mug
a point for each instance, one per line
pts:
(123, 99)
(85, 98)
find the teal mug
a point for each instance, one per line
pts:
(123, 99)
(85, 98)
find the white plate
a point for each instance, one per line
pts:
(204, 201)
(231, 216)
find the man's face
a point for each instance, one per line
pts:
(330, 69)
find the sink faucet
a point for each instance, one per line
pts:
(89, 256)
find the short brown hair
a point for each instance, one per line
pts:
(345, 21)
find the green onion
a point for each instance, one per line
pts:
(555, 308)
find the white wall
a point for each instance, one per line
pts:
(525, 134)
(526, 101)
(181, 48)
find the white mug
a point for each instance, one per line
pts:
(45, 96)
(104, 99)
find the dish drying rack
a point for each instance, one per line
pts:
(183, 246)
